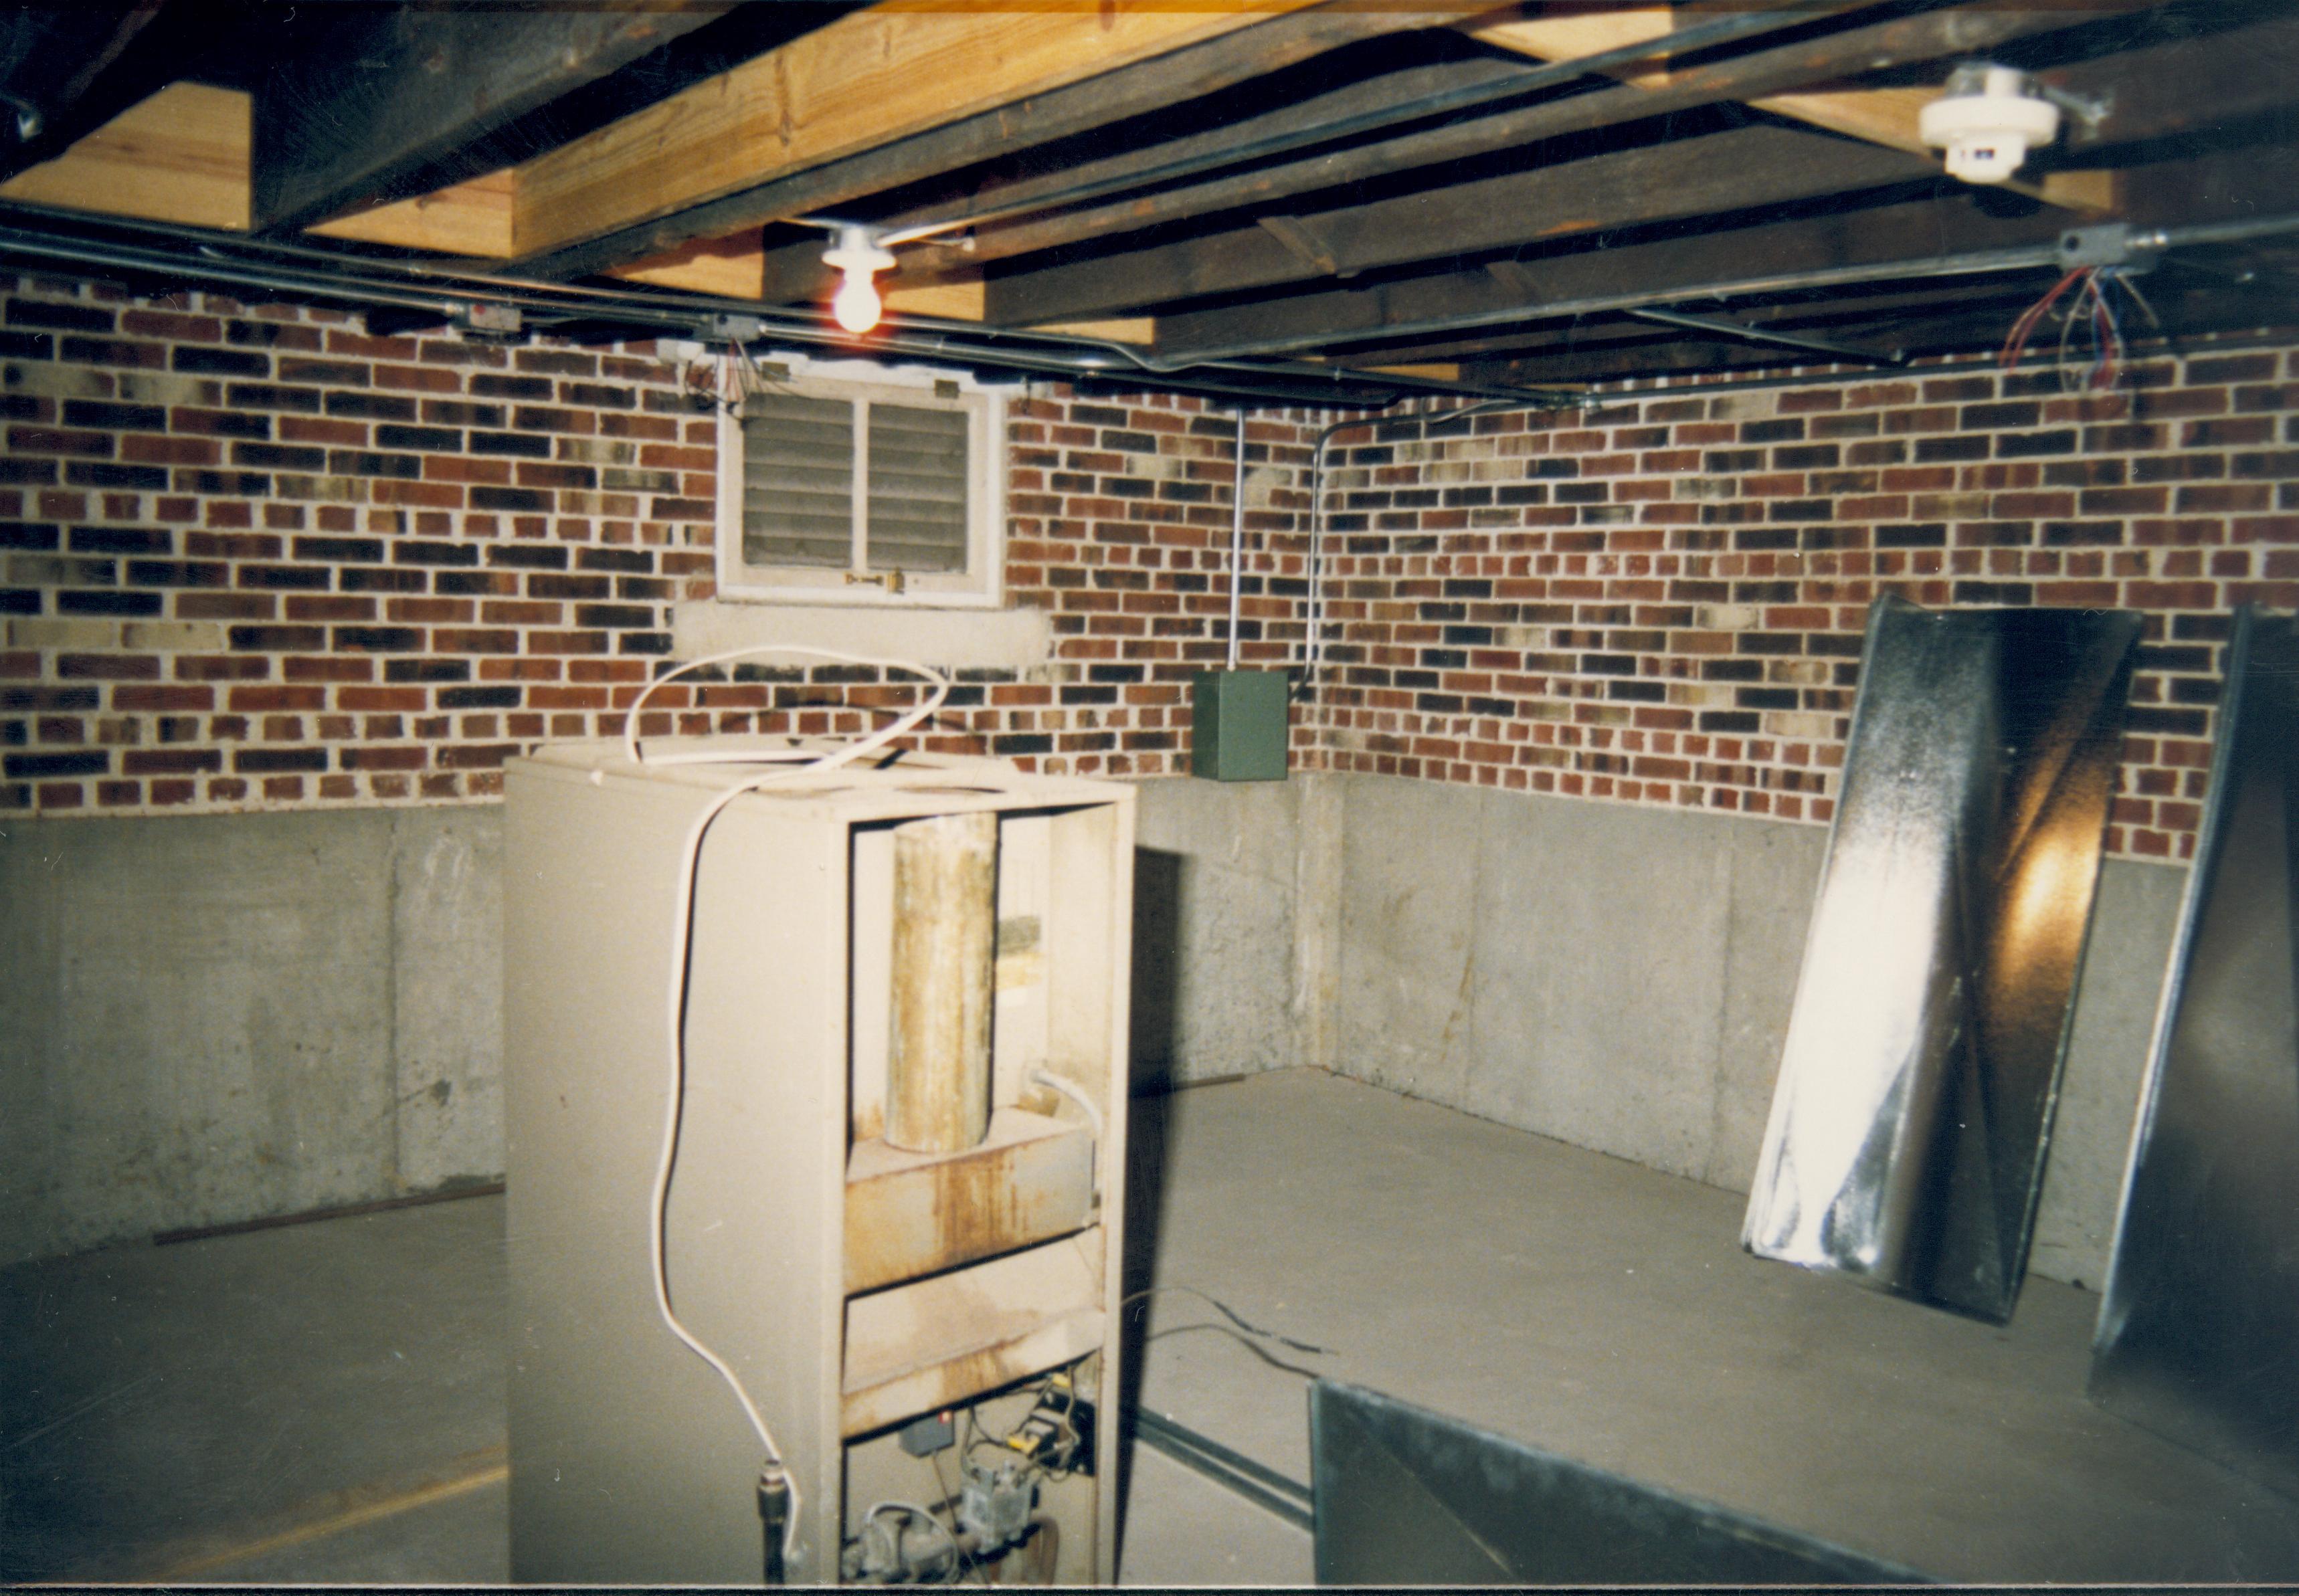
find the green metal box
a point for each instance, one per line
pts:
(1237, 725)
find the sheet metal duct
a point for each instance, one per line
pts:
(2198, 1336)
(1406, 1496)
(1906, 1145)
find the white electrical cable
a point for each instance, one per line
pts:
(1073, 1091)
(682, 939)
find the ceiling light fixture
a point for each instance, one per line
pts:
(857, 255)
(1988, 120)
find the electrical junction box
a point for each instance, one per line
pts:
(1237, 725)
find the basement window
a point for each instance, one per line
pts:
(838, 491)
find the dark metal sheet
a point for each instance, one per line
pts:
(1406, 1496)
(1906, 1145)
(2198, 1336)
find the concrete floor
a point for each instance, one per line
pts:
(325, 1403)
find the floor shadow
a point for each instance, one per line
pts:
(1156, 962)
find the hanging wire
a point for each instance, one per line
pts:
(2091, 344)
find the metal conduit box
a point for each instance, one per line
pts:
(1237, 725)
(854, 1286)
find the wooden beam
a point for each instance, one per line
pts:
(426, 81)
(1416, 307)
(1885, 115)
(1753, 166)
(1304, 119)
(1920, 37)
(1566, 32)
(1146, 86)
(731, 267)
(470, 218)
(180, 156)
(865, 79)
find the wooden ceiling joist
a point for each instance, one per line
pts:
(1271, 44)
(1885, 115)
(1651, 271)
(869, 78)
(431, 80)
(1757, 165)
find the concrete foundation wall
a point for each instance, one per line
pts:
(1235, 897)
(214, 1018)
(1620, 977)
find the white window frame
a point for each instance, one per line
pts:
(980, 586)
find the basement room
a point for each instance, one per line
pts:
(1155, 792)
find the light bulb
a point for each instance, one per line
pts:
(857, 304)
(856, 254)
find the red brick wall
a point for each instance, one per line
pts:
(1662, 601)
(250, 558)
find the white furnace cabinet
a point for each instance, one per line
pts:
(853, 1286)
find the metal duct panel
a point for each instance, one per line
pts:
(1906, 1145)
(2198, 1338)
(1406, 1496)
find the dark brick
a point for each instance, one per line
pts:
(25, 535)
(487, 385)
(634, 560)
(2014, 446)
(366, 462)
(233, 483)
(418, 553)
(65, 700)
(121, 540)
(455, 412)
(93, 762)
(433, 438)
(271, 396)
(510, 499)
(478, 697)
(118, 417)
(94, 474)
(344, 548)
(278, 640)
(27, 346)
(384, 579)
(280, 457)
(278, 761)
(306, 579)
(179, 572)
(532, 556)
(601, 396)
(530, 446)
(107, 601)
(379, 639)
(371, 407)
(218, 362)
(77, 318)
(427, 670)
(615, 615)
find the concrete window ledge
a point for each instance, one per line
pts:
(1015, 639)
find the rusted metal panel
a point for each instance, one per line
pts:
(936, 1342)
(909, 1214)
(945, 939)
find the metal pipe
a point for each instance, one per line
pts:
(945, 933)
(222, 258)
(1970, 263)
(1729, 329)
(1236, 537)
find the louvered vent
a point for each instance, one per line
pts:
(799, 477)
(798, 481)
